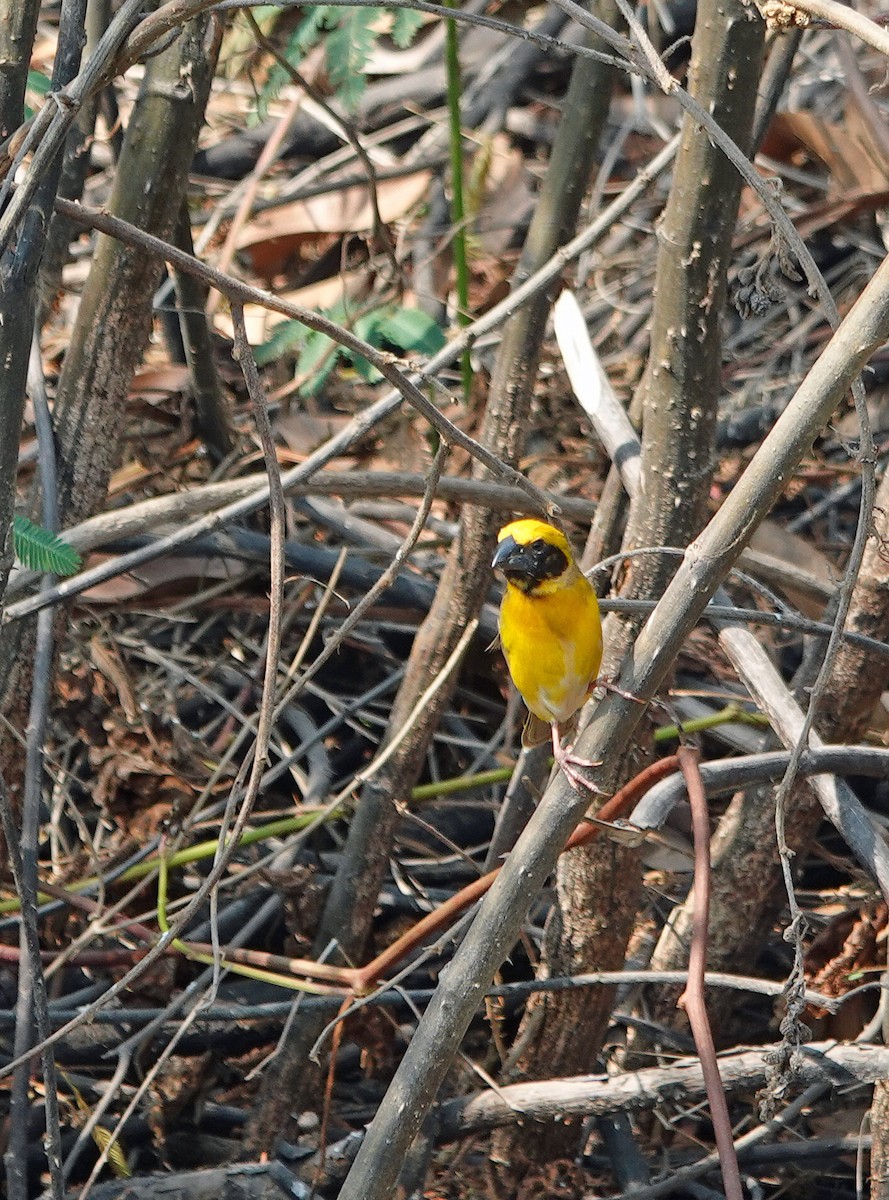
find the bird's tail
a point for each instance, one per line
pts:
(536, 731)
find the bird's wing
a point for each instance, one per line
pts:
(536, 732)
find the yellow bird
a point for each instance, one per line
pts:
(551, 634)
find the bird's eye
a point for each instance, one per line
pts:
(548, 560)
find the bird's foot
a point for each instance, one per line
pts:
(608, 685)
(569, 763)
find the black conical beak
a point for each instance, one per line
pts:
(505, 550)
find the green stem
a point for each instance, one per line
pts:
(190, 854)
(731, 713)
(462, 783)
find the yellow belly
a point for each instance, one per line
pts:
(553, 647)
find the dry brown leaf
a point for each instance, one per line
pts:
(132, 473)
(304, 432)
(849, 151)
(107, 660)
(165, 378)
(847, 946)
(164, 571)
(348, 211)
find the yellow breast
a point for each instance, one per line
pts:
(553, 646)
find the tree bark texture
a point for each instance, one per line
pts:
(114, 319)
(879, 1125)
(682, 380)
(17, 29)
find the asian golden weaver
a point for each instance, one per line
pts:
(551, 634)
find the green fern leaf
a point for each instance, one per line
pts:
(316, 353)
(39, 550)
(304, 37)
(405, 24)
(271, 90)
(316, 361)
(307, 35)
(349, 37)
(347, 50)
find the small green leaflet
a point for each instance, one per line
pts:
(401, 330)
(349, 37)
(39, 84)
(39, 550)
